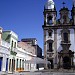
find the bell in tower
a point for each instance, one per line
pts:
(50, 13)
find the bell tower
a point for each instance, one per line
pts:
(50, 14)
(59, 36)
(64, 15)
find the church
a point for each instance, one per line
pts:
(59, 36)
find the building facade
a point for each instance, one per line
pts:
(14, 55)
(25, 52)
(59, 36)
(11, 38)
(33, 42)
(4, 53)
(38, 50)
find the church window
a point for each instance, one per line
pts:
(12, 44)
(65, 37)
(15, 45)
(50, 34)
(64, 17)
(49, 20)
(50, 47)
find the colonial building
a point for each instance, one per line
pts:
(59, 36)
(13, 54)
(4, 53)
(38, 50)
(11, 38)
(33, 42)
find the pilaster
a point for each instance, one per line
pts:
(45, 50)
(55, 48)
(4, 63)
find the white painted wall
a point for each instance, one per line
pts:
(22, 54)
(59, 47)
(49, 38)
(72, 47)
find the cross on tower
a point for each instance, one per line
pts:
(74, 3)
(63, 4)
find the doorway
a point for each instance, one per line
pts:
(66, 62)
(1, 63)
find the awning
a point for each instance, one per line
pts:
(36, 60)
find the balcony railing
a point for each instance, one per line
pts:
(5, 44)
(65, 42)
(13, 51)
(50, 55)
(50, 50)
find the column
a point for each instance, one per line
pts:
(71, 62)
(21, 64)
(18, 64)
(30, 66)
(45, 50)
(61, 63)
(24, 65)
(4, 63)
(8, 64)
(55, 48)
(0, 35)
(15, 64)
(74, 48)
(11, 65)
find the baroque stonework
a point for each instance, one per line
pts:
(59, 49)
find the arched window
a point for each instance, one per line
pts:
(50, 47)
(65, 37)
(15, 45)
(50, 20)
(12, 44)
(65, 19)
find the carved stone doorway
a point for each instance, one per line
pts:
(67, 62)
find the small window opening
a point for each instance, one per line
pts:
(65, 37)
(49, 20)
(50, 34)
(50, 47)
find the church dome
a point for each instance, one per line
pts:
(49, 4)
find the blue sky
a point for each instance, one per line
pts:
(25, 17)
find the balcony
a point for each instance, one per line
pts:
(50, 55)
(50, 51)
(14, 51)
(65, 44)
(5, 44)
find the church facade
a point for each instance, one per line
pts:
(59, 36)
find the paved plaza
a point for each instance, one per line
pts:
(40, 73)
(43, 73)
